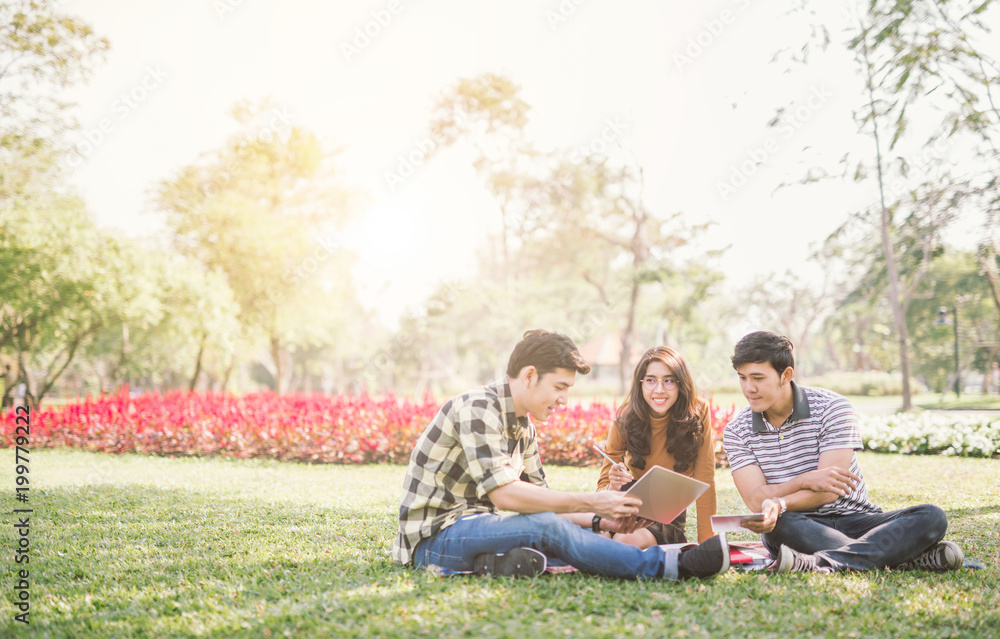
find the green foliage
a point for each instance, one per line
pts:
(63, 288)
(42, 51)
(870, 383)
(137, 546)
(260, 211)
(578, 252)
(953, 280)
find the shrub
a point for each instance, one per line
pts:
(932, 433)
(292, 427)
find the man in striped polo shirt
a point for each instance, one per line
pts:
(792, 455)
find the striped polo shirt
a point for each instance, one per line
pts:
(821, 420)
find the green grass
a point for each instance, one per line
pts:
(966, 402)
(144, 546)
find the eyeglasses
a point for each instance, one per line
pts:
(650, 383)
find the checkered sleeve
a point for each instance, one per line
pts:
(532, 460)
(480, 432)
(840, 426)
(734, 441)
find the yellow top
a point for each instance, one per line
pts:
(703, 468)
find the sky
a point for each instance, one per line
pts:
(685, 89)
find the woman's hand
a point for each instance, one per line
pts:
(618, 476)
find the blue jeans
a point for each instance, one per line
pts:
(456, 547)
(863, 541)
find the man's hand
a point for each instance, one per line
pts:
(770, 509)
(618, 476)
(611, 504)
(627, 525)
(836, 480)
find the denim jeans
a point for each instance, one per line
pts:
(456, 547)
(863, 541)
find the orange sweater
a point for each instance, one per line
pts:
(702, 470)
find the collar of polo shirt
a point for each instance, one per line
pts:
(800, 410)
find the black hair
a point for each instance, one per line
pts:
(684, 429)
(764, 346)
(546, 351)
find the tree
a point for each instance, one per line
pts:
(42, 51)
(954, 282)
(63, 288)
(915, 58)
(577, 240)
(257, 210)
(791, 307)
(187, 334)
(487, 110)
(601, 206)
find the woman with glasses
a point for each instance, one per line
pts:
(662, 422)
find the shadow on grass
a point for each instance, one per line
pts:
(144, 561)
(138, 559)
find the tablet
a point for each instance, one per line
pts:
(734, 523)
(665, 494)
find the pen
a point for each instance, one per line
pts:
(613, 462)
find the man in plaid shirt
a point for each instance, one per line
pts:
(479, 455)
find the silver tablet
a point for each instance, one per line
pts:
(665, 494)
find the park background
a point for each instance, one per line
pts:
(247, 235)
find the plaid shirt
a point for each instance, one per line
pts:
(474, 445)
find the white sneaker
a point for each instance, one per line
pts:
(941, 557)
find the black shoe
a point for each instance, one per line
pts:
(520, 562)
(706, 560)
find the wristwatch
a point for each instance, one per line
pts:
(784, 506)
(595, 525)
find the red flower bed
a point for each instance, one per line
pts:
(296, 427)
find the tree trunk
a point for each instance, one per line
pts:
(638, 257)
(890, 259)
(225, 377)
(197, 365)
(279, 368)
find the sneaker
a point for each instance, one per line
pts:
(942, 556)
(705, 560)
(519, 562)
(789, 560)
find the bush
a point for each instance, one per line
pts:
(291, 427)
(932, 433)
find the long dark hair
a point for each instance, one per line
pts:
(684, 434)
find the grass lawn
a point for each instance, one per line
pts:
(966, 402)
(144, 546)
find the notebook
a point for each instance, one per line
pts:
(665, 494)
